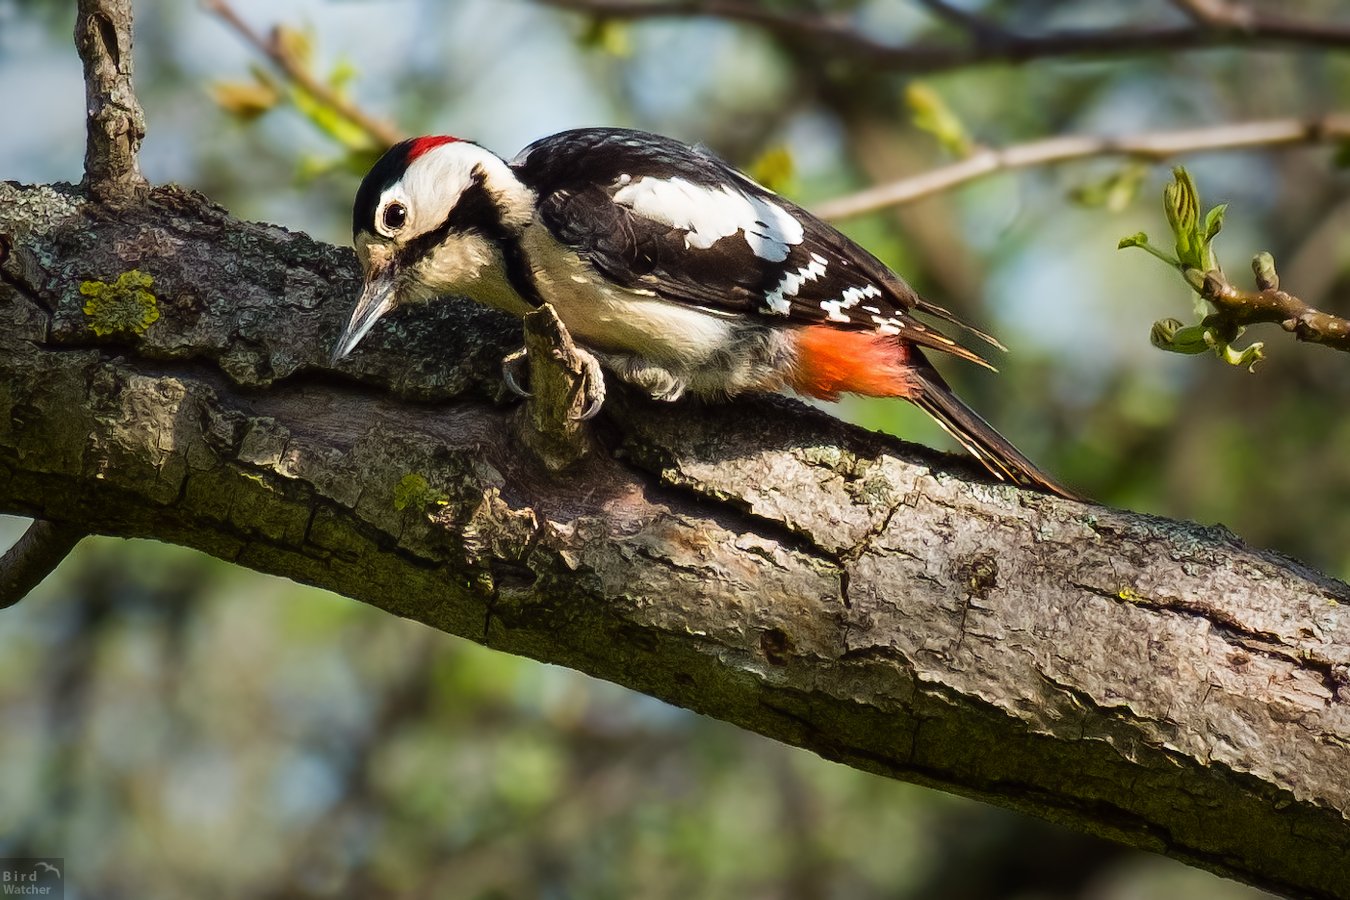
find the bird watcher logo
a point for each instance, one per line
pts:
(33, 878)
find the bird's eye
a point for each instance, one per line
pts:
(395, 214)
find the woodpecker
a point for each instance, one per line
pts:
(676, 272)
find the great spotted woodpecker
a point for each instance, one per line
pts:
(677, 272)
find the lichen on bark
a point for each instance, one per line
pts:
(122, 306)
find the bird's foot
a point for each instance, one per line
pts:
(592, 384)
(515, 367)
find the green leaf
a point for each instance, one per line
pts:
(1181, 204)
(329, 121)
(1114, 192)
(1175, 336)
(360, 161)
(246, 100)
(930, 113)
(312, 166)
(415, 492)
(608, 35)
(1214, 221)
(1243, 358)
(773, 168)
(343, 74)
(294, 43)
(1140, 240)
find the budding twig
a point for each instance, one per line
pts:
(275, 50)
(1268, 303)
(1192, 256)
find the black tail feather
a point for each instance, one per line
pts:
(995, 452)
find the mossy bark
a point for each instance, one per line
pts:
(1152, 681)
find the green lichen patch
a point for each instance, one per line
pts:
(413, 491)
(125, 306)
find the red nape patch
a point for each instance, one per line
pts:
(421, 145)
(833, 361)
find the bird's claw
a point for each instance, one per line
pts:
(592, 384)
(592, 380)
(512, 363)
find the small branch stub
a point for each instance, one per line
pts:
(33, 557)
(115, 121)
(553, 421)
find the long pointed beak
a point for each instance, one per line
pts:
(376, 300)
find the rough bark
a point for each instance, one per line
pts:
(115, 122)
(1152, 681)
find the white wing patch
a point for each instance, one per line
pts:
(887, 325)
(849, 299)
(709, 214)
(777, 301)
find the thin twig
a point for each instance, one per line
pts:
(975, 25)
(1154, 146)
(1218, 13)
(33, 557)
(115, 122)
(380, 131)
(1268, 303)
(834, 36)
(1193, 256)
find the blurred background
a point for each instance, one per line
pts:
(175, 727)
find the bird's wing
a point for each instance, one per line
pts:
(653, 214)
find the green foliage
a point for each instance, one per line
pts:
(1114, 192)
(315, 97)
(1193, 256)
(124, 306)
(606, 35)
(249, 99)
(774, 169)
(323, 116)
(929, 112)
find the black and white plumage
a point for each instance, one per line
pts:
(637, 207)
(677, 272)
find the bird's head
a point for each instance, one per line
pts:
(430, 219)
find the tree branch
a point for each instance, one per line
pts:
(833, 36)
(1152, 681)
(34, 556)
(115, 124)
(1238, 308)
(1153, 146)
(276, 51)
(977, 26)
